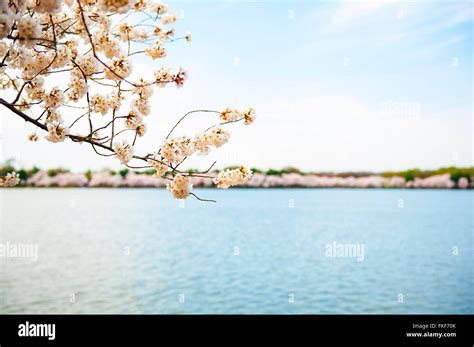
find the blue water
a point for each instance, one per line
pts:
(255, 251)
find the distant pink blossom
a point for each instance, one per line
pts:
(463, 183)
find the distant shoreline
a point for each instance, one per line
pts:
(107, 179)
(288, 177)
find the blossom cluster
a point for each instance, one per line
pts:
(180, 187)
(10, 180)
(229, 178)
(233, 115)
(123, 151)
(92, 45)
(177, 149)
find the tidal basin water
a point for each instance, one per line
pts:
(255, 251)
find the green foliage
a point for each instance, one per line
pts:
(273, 172)
(285, 170)
(410, 175)
(52, 172)
(33, 171)
(6, 169)
(123, 172)
(291, 169)
(149, 172)
(456, 172)
(23, 174)
(88, 174)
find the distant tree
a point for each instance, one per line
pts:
(291, 169)
(22, 174)
(88, 174)
(273, 172)
(123, 172)
(410, 175)
(32, 171)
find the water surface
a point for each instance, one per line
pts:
(255, 251)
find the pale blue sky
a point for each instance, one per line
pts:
(337, 85)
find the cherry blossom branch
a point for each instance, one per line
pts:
(45, 39)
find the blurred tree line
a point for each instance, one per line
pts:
(409, 175)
